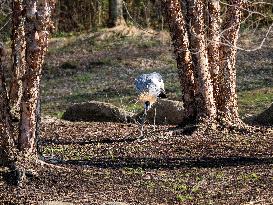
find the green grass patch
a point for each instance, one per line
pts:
(254, 101)
(83, 78)
(183, 198)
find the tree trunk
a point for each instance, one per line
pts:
(214, 21)
(6, 130)
(205, 102)
(228, 52)
(37, 25)
(206, 57)
(18, 48)
(36, 28)
(180, 41)
(116, 13)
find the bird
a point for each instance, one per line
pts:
(149, 87)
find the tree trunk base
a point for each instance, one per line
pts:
(16, 175)
(117, 22)
(25, 169)
(206, 126)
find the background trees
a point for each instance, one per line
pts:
(116, 13)
(86, 15)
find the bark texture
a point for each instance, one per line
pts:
(214, 21)
(228, 52)
(37, 29)
(6, 130)
(205, 51)
(204, 90)
(18, 55)
(116, 13)
(180, 39)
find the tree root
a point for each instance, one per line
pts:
(24, 169)
(49, 165)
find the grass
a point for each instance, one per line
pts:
(255, 101)
(102, 66)
(249, 177)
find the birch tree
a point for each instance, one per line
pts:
(32, 41)
(205, 49)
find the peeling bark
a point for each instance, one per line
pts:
(204, 90)
(36, 28)
(206, 54)
(180, 41)
(228, 51)
(214, 27)
(18, 55)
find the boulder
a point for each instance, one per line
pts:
(97, 111)
(167, 112)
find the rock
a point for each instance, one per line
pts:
(97, 111)
(264, 118)
(167, 112)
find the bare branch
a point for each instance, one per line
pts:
(5, 24)
(244, 9)
(134, 21)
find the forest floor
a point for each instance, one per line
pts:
(104, 162)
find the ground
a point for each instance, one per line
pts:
(109, 162)
(100, 162)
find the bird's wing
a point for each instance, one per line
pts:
(157, 83)
(151, 83)
(141, 83)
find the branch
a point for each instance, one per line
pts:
(134, 21)
(261, 44)
(244, 9)
(5, 24)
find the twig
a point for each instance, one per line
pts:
(134, 21)
(5, 24)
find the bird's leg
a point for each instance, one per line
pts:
(143, 121)
(154, 118)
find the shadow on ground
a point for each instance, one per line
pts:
(170, 163)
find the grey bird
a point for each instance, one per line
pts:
(149, 87)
